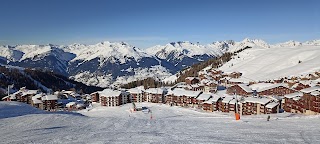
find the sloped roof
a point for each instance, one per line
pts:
(136, 90)
(215, 98)
(204, 96)
(227, 99)
(257, 100)
(292, 95)
(310, 89)
(209, 101)
(273, 86)
(245, 88)
(109, 93)
(272, 105)
(154, 91)
(183, 92)
(50, 97)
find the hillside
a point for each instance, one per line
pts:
(36, 79)
(168, 125)
(108, 64)
(283, 60)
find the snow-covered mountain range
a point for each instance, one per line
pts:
(109, 63)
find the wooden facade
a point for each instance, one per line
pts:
(207, 106)
(239, 90)
(279, 90)
(95, 97)
(192, 80)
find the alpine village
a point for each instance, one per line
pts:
(207, 90)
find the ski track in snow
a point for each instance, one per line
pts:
(168, 125)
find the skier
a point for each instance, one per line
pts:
(268, 118)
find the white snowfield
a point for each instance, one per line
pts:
(275, 62)
(20, 123)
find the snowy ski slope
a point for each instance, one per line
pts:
(168, 125)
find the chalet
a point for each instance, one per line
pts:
(216, 72)
(196, 87)
(311, 76)
(207, 105)
(95, 97)
(192, 80)
(182, 97)
(210, 86)
(27, 95)
(37, 101)
(137, 94)
(202, 98)
(23, 95)
(71, 106)
(255, 106)
(111, 98)
(294, 103)
(50, 102)
(235, 75)
(275, 89)
(240, 89)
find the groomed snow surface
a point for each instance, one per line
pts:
(275, 62)
(21, 123)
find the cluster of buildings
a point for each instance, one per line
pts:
(60, 100)
(214, 90)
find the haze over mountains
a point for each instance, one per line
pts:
(108, 63)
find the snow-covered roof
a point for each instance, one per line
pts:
(204, 96)
(272, 105)
(240, 80)
(257, 100)
(50, 97)
(273, 86)
(37, 101)
(227, 99)
(6, 97)
(310, 89)
(80, 105)
(18, 92)
(292, 95)
(154, 91)
(215, 98)
(136, 90)
(109, 93)
(245, 88)
(13, 97)
(32, 92)
(191, 78)
(209, 101)
(315, 93)
(183, 92)
(71, 104)
(259, 86)
(67, 92)
(37, 96)
(297, 98)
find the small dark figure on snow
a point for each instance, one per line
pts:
(268, 118)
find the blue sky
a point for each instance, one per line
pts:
(145, 23)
